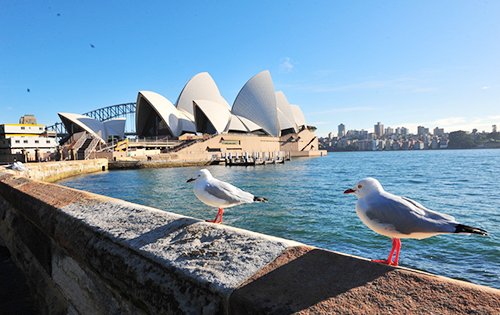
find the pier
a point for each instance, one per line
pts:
(256, 158)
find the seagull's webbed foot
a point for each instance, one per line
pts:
(385, 262)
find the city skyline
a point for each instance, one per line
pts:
(401, 63)
(430, 130)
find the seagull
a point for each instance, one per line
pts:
(18, 166)
(216, 193)
(399, 217)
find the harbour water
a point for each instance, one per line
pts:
(307, 204)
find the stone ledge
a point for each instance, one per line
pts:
(308, 280)
(53, 171)
(87, 254)
(156, 260)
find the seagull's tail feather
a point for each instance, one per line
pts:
(259, 199)
(464, 229)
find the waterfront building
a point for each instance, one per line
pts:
(257, 110)
(419, 145)
(443, 143)
(26, 141)
(434, 144)
(388, 144)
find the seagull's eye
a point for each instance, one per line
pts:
(359, 186)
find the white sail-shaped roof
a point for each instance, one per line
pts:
(257, 109)
(298, 115)
(251, 126)
(147, 102)
(200, 87)
(257, 102)
(116, 127)
(89, 124)
(285, 114)
(235, 125)
(186, 122)
(217, 114)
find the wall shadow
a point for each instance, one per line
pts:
(162, 231)
(302, 277)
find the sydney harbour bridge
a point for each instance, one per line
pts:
(126, 110)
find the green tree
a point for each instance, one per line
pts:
(494, 135)
(460, 140)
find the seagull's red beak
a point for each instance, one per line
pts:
(190, 180)
(349, 191)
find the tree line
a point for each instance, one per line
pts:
(463, 140)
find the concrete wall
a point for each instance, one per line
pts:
(303, 139)
(235, 143)
(89, 254)
(306, 140)
(53, 171)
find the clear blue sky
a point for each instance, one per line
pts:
(403, 63)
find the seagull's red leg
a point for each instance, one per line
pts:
(217, 218)
(221, 211)
(396, 243)
(398, 248)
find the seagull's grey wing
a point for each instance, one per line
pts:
(433, 215)
(228, 192)
(407, 216)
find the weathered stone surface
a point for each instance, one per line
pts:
(307, 280)
(124, 239)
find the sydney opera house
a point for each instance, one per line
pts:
(260, 118)
(200, 108)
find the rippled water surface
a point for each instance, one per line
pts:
(307, 204)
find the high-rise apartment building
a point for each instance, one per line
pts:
(341, 130)
(421, 130)
(438, 131)
(379, 130)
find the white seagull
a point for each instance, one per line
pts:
(399, 217)
(18, 166)
(216, 193)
